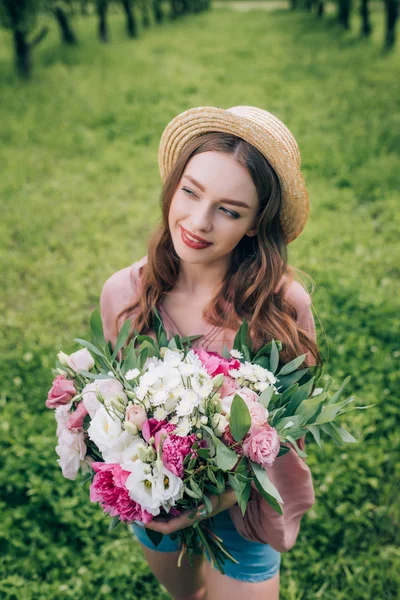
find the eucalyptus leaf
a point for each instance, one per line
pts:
(288, 380)
(225, 457)
(300, 395)
(274, 358)
(261, 476)
(310, 409)
(225, 352)
(242, 491)
(330, 411)
(265, 396)
(299, 451)
(315, 433)
(292, 365)
(339, 392)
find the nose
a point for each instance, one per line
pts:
(200, 220)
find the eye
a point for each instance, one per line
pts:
(229, 213)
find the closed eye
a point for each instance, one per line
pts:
(230, 213)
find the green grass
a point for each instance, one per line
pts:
(79, 192)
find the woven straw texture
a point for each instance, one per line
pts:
(261, 129)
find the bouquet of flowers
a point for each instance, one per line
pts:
(157, 426)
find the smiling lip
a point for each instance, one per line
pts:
(198, 245)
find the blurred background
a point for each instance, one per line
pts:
(86, 89)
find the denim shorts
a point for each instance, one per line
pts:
(257, 561)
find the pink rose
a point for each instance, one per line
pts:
(81, 359)
(229, 386)
(76, 418)
(262, 445)
(136, 415)
(108, 488)
(215, 364)
(174, 450)
(61, 392)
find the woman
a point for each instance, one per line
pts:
(233, 199)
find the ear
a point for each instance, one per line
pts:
(251, 232)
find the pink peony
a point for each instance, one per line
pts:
(229, 386)
(174, 450)
(246, 393)
(262, 445)
(136, 415)
(215, 364)
(77, 417)
(61, 392)
(108, 488)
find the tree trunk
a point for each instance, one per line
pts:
(84, 7)
(67, 34)
(320, 9)
(365, 22)
(130, 18)
(102, 6)
(344, 13)
(157, 10)
(392, 13)
(22, 48)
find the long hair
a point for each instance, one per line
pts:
(257, 262)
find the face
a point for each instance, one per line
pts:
(216, 200)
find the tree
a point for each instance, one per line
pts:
(102, 8)
(20, 17)
(61, 10)
(366, 27)
(131, 26)
(392, 13)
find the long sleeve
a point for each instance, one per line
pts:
(290, 475)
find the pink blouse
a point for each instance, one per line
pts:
(290, 474)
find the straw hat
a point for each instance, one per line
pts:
(264, 131)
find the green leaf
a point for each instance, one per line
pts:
(90, 347)
(299, 396)
(192, 494)
(266, 488)
(195, 488)
(122, 337)
(242, 491)
(207, 504)
(288, 380)
(225, 457)
(337, 433)
(265, 396)
(96, 326)
(283, 450)
(143, 357)
(155, 536)
(310, 409)
(263, 361)
(220, 482)
(113, 523)
(337, 394)
(130, 359)
(93, 375)
(240, 419)
(330, 411)
(274, 359)
(292, 365)
(300, 452)
(210, 475)
(286, 422)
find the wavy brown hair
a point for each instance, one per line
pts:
(257, 263)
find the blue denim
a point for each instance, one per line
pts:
(257, 561)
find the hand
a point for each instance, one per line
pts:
(219, 503)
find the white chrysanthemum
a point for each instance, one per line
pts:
(132, 374)
(193, 359)
(172, 358)
(160, 413)
(203, 387)
(236, 353)
(183, 427)
(190, 401)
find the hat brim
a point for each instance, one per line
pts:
(195, 121)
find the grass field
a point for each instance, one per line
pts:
(79, 191)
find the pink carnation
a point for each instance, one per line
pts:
(61, 392)
(108, 488)
(215, 364)
(262, 445)
(152, 426)
(174, 450)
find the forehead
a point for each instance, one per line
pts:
(222, 176)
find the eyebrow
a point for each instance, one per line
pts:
(227, 200)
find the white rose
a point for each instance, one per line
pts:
(81, 359)
(108, 388)
(71, 449)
